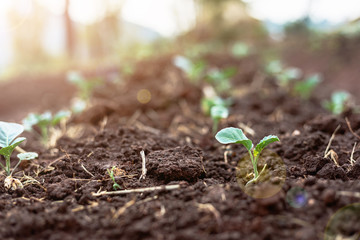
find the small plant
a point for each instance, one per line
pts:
(283, 75)
(112, 176)
(193, 70)
(236, 135)
(240, 50)
(305, 88)
(218, 112)
(220, 78)
(208, 102)
(44, 122)
(9, 140)
(85, 86)
(338, 103)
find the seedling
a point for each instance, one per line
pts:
(236, 135)
(193, 70)
(305, 88)
(220, 78)
(9, 140)
(112, 176)
(240, 50)
(218, 112)
(338, 103)
(283, 75)
(44, 121)
(208, 102)
(287, 75)
(85, 86)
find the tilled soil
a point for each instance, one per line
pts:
(65, 193)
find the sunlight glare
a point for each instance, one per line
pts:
(167, 17)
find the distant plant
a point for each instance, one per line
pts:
(240, 50)
(208, 102)
(338, 103)
(44, 122)
(236, 135)
(218, 112)
(220, 78)
(9, 140)
(193, 70)
(112, 176)
(305, 88)
(283, 75)
(78, 105)
(85, 86)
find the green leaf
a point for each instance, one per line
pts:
(218, 112)
(305, 88)
(7, 151)
(233, 135)
(263, 143)
(8, 132)
(59, 116)
(31, 120)
(27, 156)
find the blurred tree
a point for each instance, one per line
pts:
(27, 42)
(103, 36)
(69, 31)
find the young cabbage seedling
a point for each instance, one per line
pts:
(85, 86)
(240, 50)
(218, 112)
(44, 121)
(208, 102)
(112, 176)
(305, 88)
(193, 70)
(220, 78)
(236, 135)
(338, 102)
(9, 140)
(12, 183)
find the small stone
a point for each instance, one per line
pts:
(328, 196)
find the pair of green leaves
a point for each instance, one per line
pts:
(44, 120)
(236, 135)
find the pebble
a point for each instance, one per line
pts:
(328, 196)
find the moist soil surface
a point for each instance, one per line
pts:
(200, 192)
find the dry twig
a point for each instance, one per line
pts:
(332, 153)
(352, 161)
(138, 190)
(350, 128)
(143, 167)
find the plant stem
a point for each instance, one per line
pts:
(7, 165)
(15, 167)
(44, 134)
(254, 163)
(215, 125)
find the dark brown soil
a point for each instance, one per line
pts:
(57, 201)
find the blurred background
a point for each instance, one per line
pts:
(42, 36)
